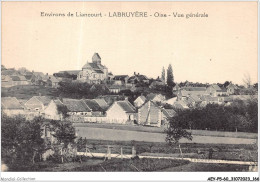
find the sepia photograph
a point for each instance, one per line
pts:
(129, 87)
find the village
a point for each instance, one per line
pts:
(75, 115)
(151, 109)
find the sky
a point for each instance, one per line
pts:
(217, 48)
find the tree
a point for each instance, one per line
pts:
(21, 139)
(170, 78)
(23, 70)
(247, 80)
(64, 132)
(175, 132)
(226, 83)
(163, 74)
(63, 110)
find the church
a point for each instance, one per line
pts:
(93, 72)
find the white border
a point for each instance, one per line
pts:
(129, 176)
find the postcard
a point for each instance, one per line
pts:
(143, 90)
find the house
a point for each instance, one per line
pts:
(93, 72)
(39, 75)
(6, 81)
(10, 72)
(116, 88)
(121, 112)
(157, 83)
(137, 78)
(231, 89)
(213, 100)
(120, 79)
(139, 101)
(222, 92)
(110, 77)
(94, 107)
(212, 90)
(155, 97)
(37, 104)
(176, 88)
(150, 114)
(77, 107)
(53, 81)
(110, 99)
(102, 103)
(11, 106)
(19, 80)
(181, 104)
(52, 112)
(193, 100)
(184, 92)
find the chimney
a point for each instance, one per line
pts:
(134, 73)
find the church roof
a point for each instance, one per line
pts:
(96, 57)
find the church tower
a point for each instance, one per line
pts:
(96, 59)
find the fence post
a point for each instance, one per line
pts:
(108, 152)
(121, 153)
(61, 155)
(133, 151)
(86, 153)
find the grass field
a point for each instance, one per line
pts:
(127, 135)
(161, 130)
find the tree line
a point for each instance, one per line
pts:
(239, 116)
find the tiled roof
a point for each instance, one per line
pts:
(126, 106)
(43, 99)
(38, 74)
(120, 77)
(169, 112)
(194, 88)
(222, 90)
(58, 102)
(102, 103)
(142, 97)
(15, 78)
(74, 105)
(150, 96)
(22, 78)
(92, 104)
(216, 87)
(9, 72)
(53, 79)
(6, 78)
(98, 71)
(10, 103)
(195, 98)
(138, 77)
(181, 104)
